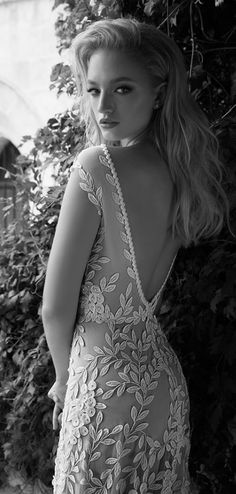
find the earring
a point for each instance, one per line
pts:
(156, 106)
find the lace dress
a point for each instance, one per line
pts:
(125, 422)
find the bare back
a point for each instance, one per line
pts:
(148, 195)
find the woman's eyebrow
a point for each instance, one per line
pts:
(118, 79)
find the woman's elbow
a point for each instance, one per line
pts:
(55, 313)
(48, 313)
(51, 312)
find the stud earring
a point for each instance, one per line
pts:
(156, 106)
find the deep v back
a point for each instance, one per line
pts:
(152, 249)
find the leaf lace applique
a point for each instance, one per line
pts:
(87, 184)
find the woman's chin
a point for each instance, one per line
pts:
(109, 134)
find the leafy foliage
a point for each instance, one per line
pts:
(200, 309)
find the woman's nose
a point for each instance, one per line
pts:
(106, 103)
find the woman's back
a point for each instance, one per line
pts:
(148, 194)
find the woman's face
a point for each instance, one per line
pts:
(121, 95)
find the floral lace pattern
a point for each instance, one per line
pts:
(125, 425)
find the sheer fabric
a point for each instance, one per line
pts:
(125, 425)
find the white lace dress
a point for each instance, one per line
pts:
(125, 425)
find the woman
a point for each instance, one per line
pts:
(147, 184)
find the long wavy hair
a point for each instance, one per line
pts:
(179, 128)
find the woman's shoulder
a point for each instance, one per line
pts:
(88, 160)
(88, 156)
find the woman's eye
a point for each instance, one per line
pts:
(123, 90)
(93, 91)
(120, 90)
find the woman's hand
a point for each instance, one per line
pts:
(57, 394)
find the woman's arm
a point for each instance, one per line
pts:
(75, 233)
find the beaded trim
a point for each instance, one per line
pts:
(154, 300)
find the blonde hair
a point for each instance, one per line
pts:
(179, 128)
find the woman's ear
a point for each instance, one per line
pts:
(160, 95)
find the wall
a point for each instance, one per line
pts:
(27, 54)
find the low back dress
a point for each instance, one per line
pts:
(125, 422)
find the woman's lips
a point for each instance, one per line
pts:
(107, 125)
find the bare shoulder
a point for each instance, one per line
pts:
(88, 158)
